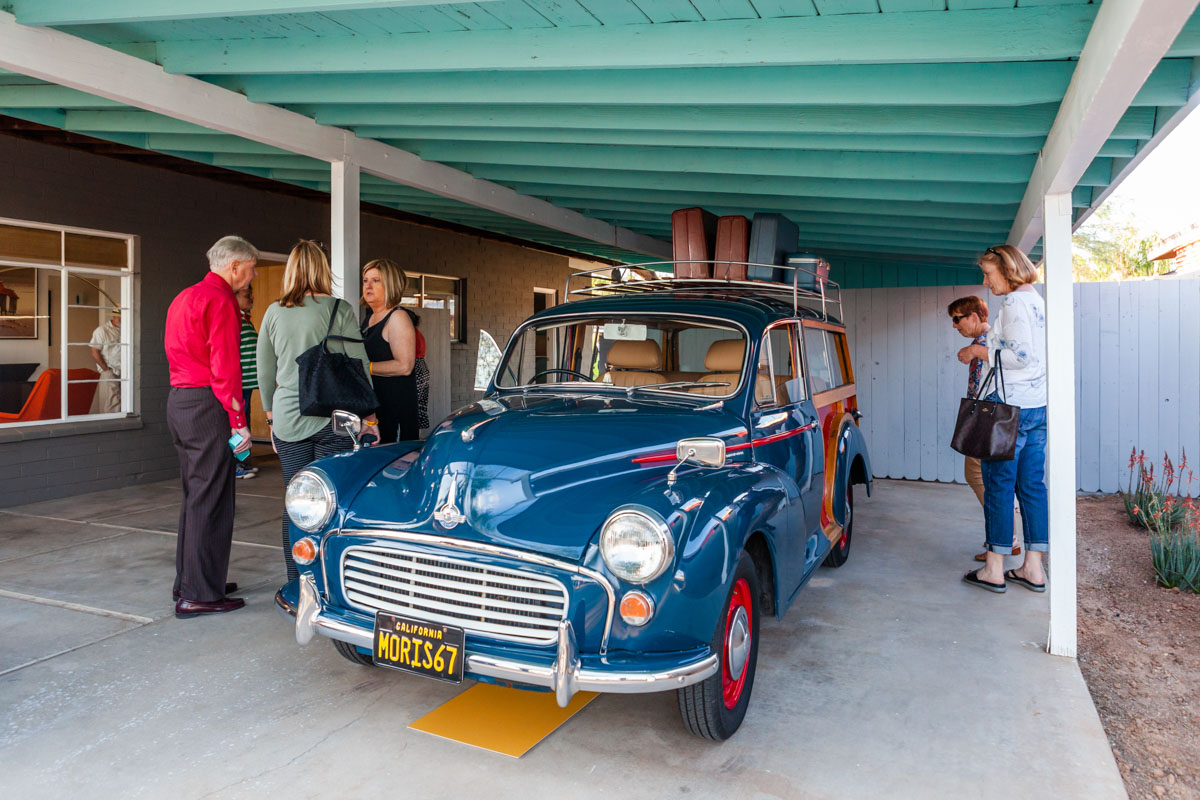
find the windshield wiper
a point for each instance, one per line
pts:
(629, 390)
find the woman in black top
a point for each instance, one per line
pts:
(391, 344)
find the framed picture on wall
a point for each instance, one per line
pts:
(18, 303)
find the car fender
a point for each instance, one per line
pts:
(711, 514)
(843, 450)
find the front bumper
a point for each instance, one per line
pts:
(565, 676)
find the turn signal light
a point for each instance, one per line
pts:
(304, 551)
(636, 608)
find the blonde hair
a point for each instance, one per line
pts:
(307, 272)
(1014, 266)
(394, 279)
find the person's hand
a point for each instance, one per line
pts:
(972, 351)
(369, 436)
(964, 355)
(245, 443)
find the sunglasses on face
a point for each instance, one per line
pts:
(957, 318)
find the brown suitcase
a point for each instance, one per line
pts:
(693, 231)
(733, 245)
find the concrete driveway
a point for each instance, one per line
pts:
(889, 678)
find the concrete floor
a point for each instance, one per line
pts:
(889, 678)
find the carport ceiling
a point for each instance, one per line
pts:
(884, 128)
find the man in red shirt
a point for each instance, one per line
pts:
(203, 341)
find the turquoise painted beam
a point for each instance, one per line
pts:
(943, 192)
(132, 121)
(582, 193)
(857, 165)
(1167, 85)
(48, 95)
(213, 143)
(1013, 34)
(995, 84)
(1187, 43)
(1126, 148)
(72, 12)
(934, 120)
(1081, 197)
(42, 116)
(662, 211)
(1098, 173)
(409, 137)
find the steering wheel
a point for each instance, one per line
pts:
(537, 375)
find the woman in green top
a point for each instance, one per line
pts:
(293, 324)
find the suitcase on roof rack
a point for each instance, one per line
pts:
(772, 236)
(817, 270)
(733, 245)
(693, 231)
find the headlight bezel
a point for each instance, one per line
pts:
(660, 529)
(329, 495)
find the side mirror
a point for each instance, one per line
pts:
(348, 424)
(486, 361)
(703, 451)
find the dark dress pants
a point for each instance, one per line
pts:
(200, 429)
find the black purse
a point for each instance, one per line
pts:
(985, 429)
(333, 381)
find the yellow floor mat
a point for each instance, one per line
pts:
(503, 720)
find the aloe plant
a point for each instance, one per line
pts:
(1176, 558)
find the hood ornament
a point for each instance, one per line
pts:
(449, 514)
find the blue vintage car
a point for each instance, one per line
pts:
(655, 463)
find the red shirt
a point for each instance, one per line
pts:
(203, 342)
(420, 348)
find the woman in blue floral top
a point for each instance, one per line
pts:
(1018, 338)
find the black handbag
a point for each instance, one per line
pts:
(333, 381)
(986, 429)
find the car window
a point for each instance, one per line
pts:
(626, 351)
(835, 347)
(820, 372)
(777, 382)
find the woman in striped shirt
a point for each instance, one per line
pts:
(245, 299)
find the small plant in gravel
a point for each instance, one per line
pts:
(1158, 503)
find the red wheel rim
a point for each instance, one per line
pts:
(732, 687)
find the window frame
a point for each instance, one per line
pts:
(836, 393)
(458, 336)
(797, 364)
(129, 323)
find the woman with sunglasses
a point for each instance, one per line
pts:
(1018, 338)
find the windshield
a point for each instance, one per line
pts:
(627, 352)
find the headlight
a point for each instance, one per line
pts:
(310, 500)
(636, 546)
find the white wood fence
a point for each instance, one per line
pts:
(1137, 377)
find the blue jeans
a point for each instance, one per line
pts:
(1026, 476)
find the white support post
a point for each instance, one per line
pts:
(1060, 421)
(344, 211)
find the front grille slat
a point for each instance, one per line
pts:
(496, 602)
(425, 575)
(486, 599)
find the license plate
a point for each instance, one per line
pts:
(423, 648)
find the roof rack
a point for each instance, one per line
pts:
(821, 297)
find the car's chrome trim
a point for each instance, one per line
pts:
(452, 543)
(515, 604)
(564, 677)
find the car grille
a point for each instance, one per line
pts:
(490, 601)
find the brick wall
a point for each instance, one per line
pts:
(178, 217)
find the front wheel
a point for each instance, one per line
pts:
(351, 653)
(715, 707)
(841, 551)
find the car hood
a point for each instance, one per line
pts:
(537, 472)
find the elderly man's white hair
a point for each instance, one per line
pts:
(230, 248)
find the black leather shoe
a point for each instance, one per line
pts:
(230, 588)
(185, 609)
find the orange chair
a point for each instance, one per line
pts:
(44, 401)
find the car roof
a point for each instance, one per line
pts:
(755, 313)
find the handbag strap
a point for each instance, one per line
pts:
(329, 334)
(997, 373)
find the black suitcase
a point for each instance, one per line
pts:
(772, 237)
